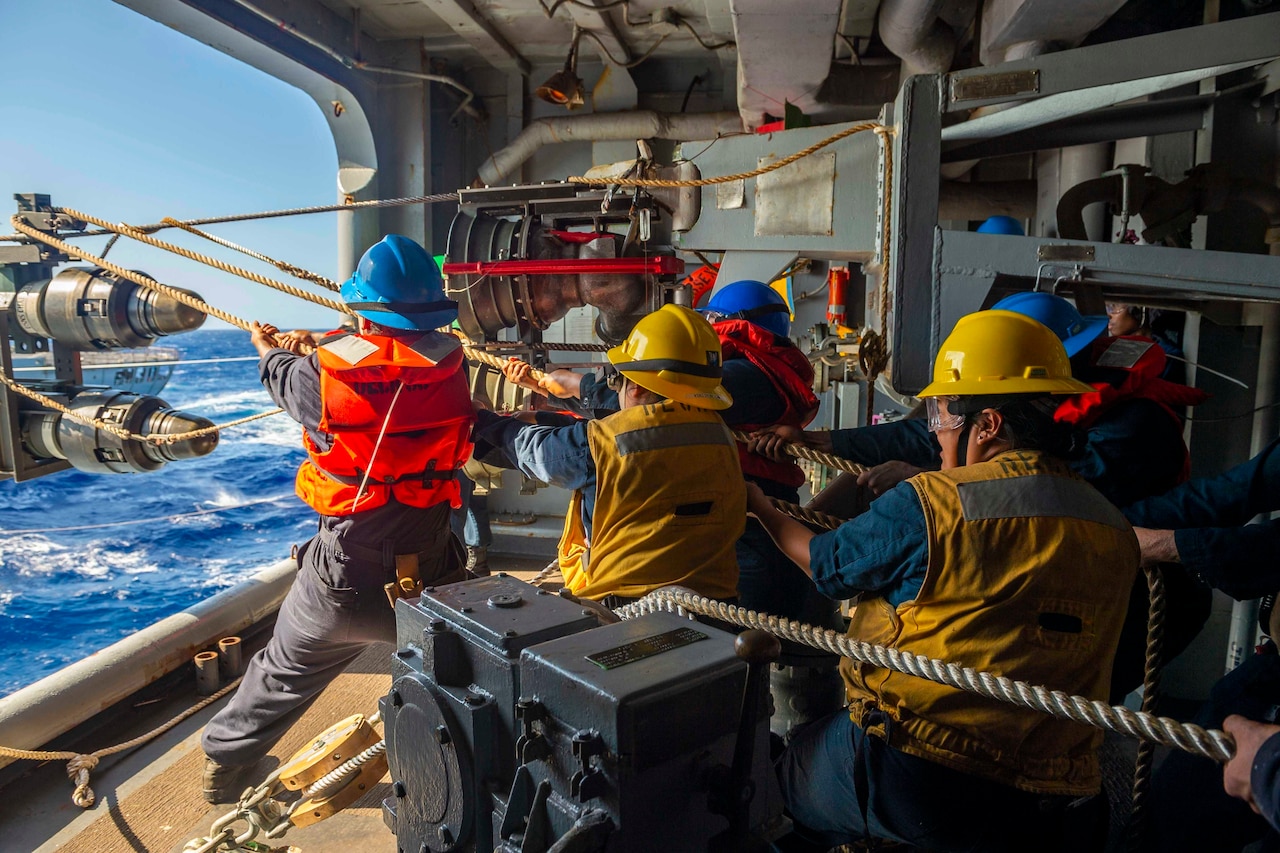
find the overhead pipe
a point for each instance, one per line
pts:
(641, 124)
(981, 199)
(1167, 208)
(914, 31)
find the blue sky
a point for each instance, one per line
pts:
(114, 114)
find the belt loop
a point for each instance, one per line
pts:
(389, 554)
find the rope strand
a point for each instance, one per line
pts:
(81, 764)
(737, 176)
(270, 214)
(1210, 743)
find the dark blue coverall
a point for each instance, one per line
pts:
(337, 605)
(1191, 811)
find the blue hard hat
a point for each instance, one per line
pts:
(398, 285)
(753, 301)
(1002, 225)
(1075, 331)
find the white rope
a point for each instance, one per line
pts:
(1209, 743)
(376, 445)
(333, 780)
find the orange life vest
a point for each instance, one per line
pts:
(1140, 362)
(413, 396)
(791, 375)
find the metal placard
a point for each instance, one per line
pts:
(645, 648)
(796, 200)
(731, 195)
(980, 87)
(1064, 252)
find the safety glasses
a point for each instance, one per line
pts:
(940, 420)
(614, 381)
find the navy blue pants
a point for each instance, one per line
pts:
(1189, 808)
(769, 582)
(471, 523)
(335, 609)
(842, 785)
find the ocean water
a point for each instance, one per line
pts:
(66, 593)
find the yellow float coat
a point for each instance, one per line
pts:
(1029, 573)
(670, 503)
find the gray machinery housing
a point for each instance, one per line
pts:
(63, 313)
(516, 722)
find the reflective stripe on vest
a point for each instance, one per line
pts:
(1029, 573)
(670, 503)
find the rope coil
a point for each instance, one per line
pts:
(1209, 743)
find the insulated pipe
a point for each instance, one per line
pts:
(1073, 202)
(981, 199)
(642, 124)
(915, 33)
(40, 712)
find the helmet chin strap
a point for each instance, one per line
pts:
(962, 448)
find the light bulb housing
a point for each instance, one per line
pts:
(564, 88)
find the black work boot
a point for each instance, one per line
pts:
(478, 560)
(224, 783)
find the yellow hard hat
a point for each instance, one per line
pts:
(1001, 352)
(674, 352)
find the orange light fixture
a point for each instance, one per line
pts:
(564, 88)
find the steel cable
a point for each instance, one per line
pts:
(270, 214)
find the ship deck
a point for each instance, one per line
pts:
(149, 798)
